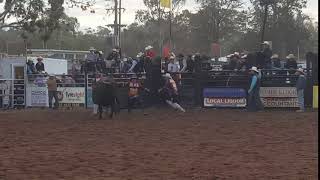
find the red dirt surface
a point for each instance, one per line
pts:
(199, 145)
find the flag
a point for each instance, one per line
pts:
(166, 51)
(166, 3)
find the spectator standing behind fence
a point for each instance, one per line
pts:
(182, 63)
(190, 63)
(301, 86)
(276, 62)
(254, 101)
(52, 91)
(291, 64)
(267, 53)
(30, 67)
(40, 65)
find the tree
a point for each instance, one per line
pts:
(27, 12)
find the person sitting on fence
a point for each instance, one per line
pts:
(254, 103)
(114, 58)
(52, 91)
(190, 63)
(170, 93)
(100, 64)
(182, 62)
(134, 97)
(125, 65)
(266, 54)
(30, 67)
(234, 60)
(301, 86)
(276, 62)
(134, 66)
(242, 65)
(291, 64)
(40, 65)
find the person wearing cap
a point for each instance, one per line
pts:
(234, 61)
(173, 67)
(276, 62)
(267, 53)
(254, 101)
(242, 65)
(291, 63)
(149, 52)
(190, 63)
(30, 67)
(52, 91)
(114, 57)
(182, 62)
(137, 65)
(40, 65)
(301, 86)
(91, 60)
(170, 93)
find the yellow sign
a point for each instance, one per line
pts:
(315, 97)
(166, 3)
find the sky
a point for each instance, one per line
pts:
(100, 18)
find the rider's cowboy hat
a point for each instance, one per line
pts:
(92, 49)
(266, 43)
(255, 69)
(290, 56)
(39, 58)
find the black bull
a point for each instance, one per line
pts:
(104, 95)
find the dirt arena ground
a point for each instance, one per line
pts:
(198, 145)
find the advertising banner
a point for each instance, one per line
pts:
(280, 102)
(224, 97)
(71, 96)
(283, 97)
(225, 102)
(285, 92)
(37, 97)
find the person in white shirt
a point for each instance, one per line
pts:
(173, 67)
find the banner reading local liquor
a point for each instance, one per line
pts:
(225, 102)
(224, 97)
(285, 97)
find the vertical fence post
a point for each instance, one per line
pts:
(86, 89)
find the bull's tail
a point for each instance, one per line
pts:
(116, 105)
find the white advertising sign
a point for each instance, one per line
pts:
(37, 97)
(71, 95)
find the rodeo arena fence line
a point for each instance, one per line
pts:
(205, 88)
(218, 89)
